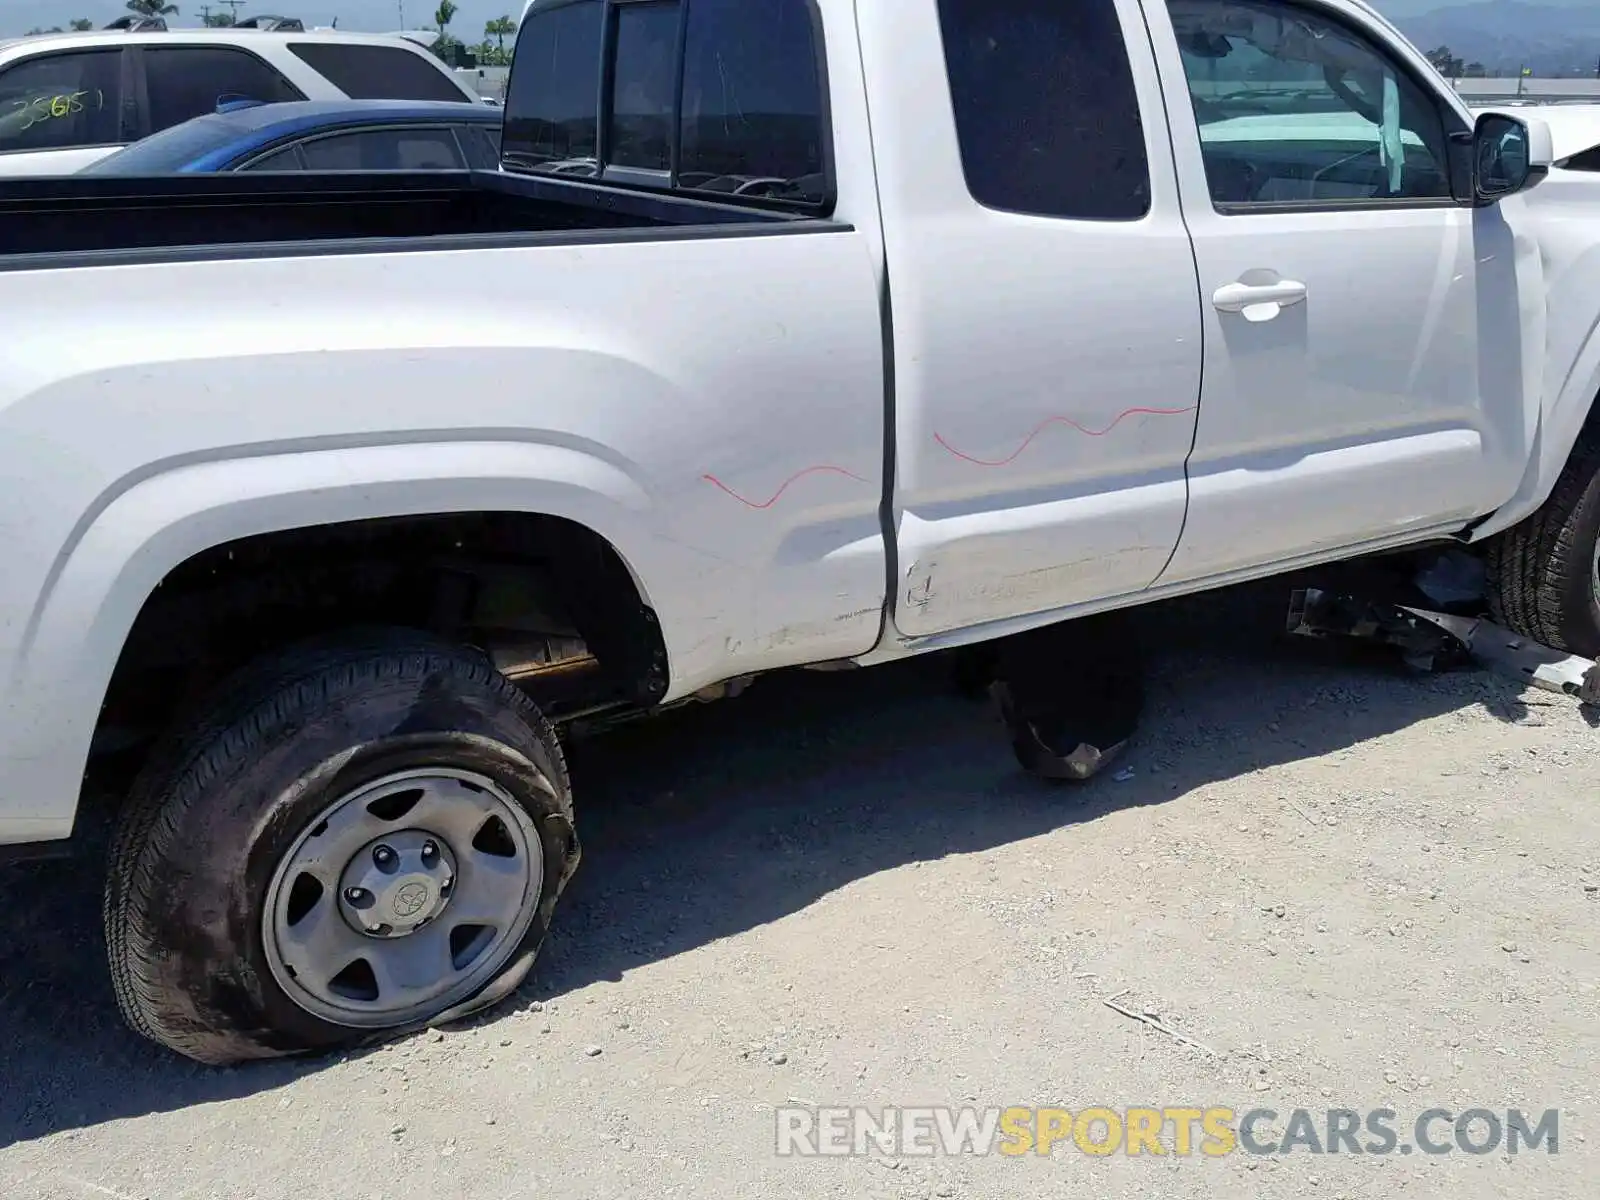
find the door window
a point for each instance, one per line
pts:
(377, 72)
(1045, 107)
(482, 143)
(385, 150)
(287, 159)
(61, 101)
(1294, 107)
(183, 82)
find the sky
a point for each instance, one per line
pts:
(18, 16)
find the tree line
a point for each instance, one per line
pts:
(1451, 67)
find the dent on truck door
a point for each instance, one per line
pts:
(1362, 376)
(1046, 318)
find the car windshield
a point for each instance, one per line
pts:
(167, 151)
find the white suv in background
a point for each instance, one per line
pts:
(69, 99)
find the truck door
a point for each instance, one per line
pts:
(1046, 318)
(1363, 381)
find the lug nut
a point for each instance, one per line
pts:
(360, 897)
(383, 856)
(374, 928)
(430, 853)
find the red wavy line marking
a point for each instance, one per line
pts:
(798, 475)
(1048, 421)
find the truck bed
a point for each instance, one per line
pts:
(108, 219)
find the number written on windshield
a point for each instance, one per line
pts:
(38, 109)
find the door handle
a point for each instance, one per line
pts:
(1258, 301)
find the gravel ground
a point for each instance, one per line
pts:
(1343, 885)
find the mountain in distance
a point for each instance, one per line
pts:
(1507, 35)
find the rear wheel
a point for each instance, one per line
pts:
(361, 837)
(1544, 574)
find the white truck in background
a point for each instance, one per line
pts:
(1101, 305)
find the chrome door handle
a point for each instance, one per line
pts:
(1258, 301)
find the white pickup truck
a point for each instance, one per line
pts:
(818, 334)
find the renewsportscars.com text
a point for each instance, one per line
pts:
(1210, 1131)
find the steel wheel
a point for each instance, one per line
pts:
(402, 898)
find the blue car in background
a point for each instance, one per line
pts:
(320, 135)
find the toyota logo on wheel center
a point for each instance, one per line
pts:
(410, 899)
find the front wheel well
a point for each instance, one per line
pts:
(551, 602)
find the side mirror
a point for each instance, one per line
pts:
(1509, 155)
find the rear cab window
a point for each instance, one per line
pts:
(377, 72)
(725, 98)
(62, 102)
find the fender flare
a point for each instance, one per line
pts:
(122, 549)
(1560, 425)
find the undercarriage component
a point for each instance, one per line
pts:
(1524, 659)
(1431, 640)
(1424, 645)
(1070, 694)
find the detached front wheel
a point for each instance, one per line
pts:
(360, 838)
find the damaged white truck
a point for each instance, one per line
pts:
(803, 334)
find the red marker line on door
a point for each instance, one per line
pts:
(798, 475)
(1068, 421)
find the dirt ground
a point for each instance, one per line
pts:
(1351, 887)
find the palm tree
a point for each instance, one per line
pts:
(445, 14)
(152, 8)
(500, 29)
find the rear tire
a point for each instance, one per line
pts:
(1542, 573)
(232, 798)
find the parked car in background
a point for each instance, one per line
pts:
(70, 99)
(320, 135)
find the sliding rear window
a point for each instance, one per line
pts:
(721, 97)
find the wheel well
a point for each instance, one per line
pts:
(551, 602)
